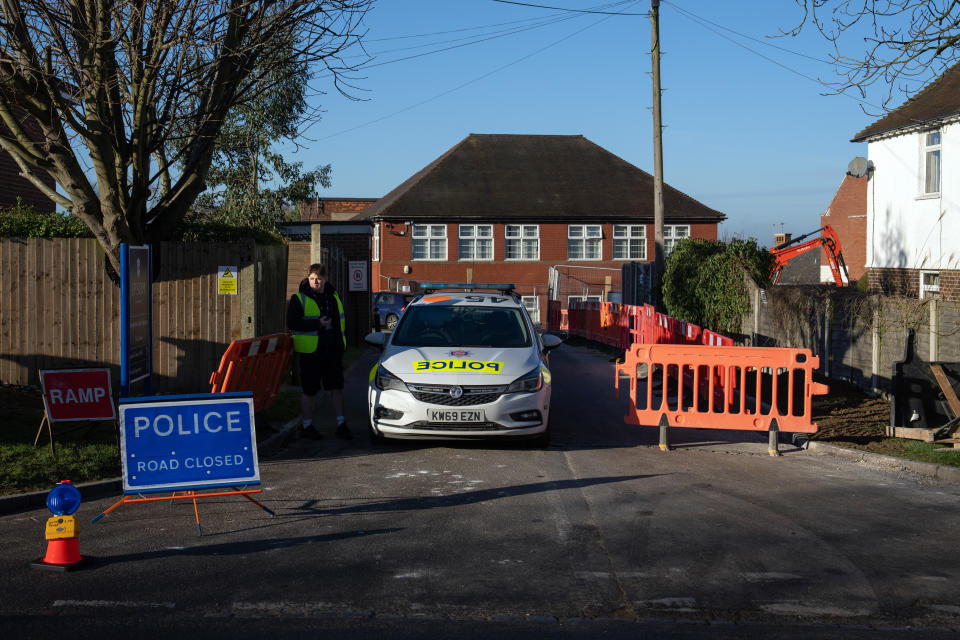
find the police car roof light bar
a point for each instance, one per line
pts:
(468, 286)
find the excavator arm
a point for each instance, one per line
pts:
(828, 239)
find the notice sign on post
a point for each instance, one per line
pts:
(358, 275)
(77, 394)
(227, 281)
(139, 364)
(171, 443)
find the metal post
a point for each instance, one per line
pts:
(773, 446)
(664, 433)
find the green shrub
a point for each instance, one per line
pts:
(24, 467)
(704, 281)
(23, 221)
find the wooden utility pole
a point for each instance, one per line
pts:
(658, 257)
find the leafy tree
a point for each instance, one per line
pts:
(704, 281)
(907, 41)
(245, 164)
(121, 101)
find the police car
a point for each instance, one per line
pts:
(464, 361)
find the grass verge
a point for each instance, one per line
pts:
(87, 452)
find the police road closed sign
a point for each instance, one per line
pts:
(77, 394)
(171, 443)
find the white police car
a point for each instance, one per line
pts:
(462, 364)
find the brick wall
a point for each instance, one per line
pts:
(530, 276)
(12, 184)
(906, 282)
(847, 214)
(323, 209)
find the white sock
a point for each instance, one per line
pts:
(340, 420)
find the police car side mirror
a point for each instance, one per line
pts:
(551, 341)
(377, 339)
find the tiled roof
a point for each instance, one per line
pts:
(940, 99)
(530, 177)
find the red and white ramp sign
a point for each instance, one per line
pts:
(77, 394)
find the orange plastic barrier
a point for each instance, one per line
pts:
(254, 364)
(746, 388)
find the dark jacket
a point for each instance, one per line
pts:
(331, 339)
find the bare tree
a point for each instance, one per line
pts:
(129, 96)
(907, 42)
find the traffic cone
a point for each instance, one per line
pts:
(63, 552)
(63, 546)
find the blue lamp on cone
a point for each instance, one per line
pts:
(63, 545)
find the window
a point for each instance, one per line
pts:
(672, 234)
(532, 305)
(583, 241)
(429, 242)
(476, 242)
(931, 163)
(588, 298)
(629, 242)
(376, 242)
(929, 284)
(522, 242)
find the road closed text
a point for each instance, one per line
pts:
(163, 425)
(193, 462)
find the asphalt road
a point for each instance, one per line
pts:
(602, 534)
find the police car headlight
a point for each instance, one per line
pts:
(386, 380)
(531, 381)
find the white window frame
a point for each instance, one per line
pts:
(426, 233)
(532, 305)
(587, 298)
(376, 242)
(628, 233)
(473, 241)
(580, 235)
(930, 150)
(670, 237)
(527, 235)
(929, 290)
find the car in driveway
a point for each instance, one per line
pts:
(388, 307)
(463, 362)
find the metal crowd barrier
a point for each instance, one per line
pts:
(254, 364)
(704, 387)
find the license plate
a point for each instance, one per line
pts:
(455, 415)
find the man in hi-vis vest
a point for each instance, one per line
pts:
(315, 318)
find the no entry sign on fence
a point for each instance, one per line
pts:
(188, 442)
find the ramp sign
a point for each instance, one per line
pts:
(171, 443)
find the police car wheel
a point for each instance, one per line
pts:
(391, 321)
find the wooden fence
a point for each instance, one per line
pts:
(857, 336)
(59, 308)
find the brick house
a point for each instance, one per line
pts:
(847, 214)
(913, 197)
(507, 208)
(13, 185)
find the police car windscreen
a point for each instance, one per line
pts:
(461, 326)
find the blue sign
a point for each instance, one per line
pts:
(171, 443)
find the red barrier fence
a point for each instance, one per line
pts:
(254, 364)
(744, 388)
(622, 325)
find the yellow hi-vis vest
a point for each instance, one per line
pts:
(307, 341)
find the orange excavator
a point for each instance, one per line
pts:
(827, 239)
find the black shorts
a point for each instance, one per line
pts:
(320, 371)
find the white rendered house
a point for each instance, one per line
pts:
(913, 194)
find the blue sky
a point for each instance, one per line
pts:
(745, 132)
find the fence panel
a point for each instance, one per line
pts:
(59, 308)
